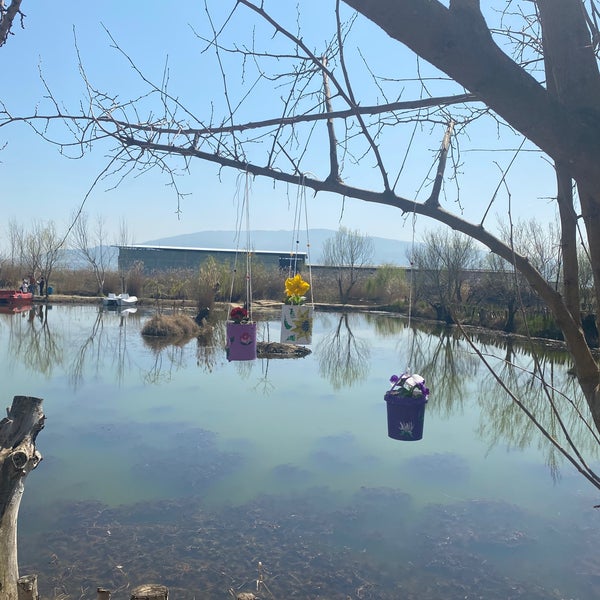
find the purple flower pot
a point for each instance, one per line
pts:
(241, 341)
(405, 416)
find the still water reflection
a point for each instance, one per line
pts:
(167, 463)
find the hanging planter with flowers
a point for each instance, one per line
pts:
(296, 316)
(241, 335)
(406, 401)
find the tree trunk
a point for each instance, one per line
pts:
(511, 310)
(18, 456)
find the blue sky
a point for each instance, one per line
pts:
(40, 184)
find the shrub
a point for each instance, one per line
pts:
(387, 285)
(177, 326)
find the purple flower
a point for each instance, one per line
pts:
(424, 389)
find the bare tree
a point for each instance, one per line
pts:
(539, 243)
(92, 245)
(348, 251)
(16, 235)
(42, 246)
(124, 236)
(441, 264)
(36, 250)
(500, 286)
(529, 66)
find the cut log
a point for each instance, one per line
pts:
(103, 594)
(18, 456)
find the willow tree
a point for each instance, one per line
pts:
(530, 68)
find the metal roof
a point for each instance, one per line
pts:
(226, 250)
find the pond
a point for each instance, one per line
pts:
(169, 464)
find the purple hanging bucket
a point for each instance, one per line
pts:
(241, 341)
(405, 416)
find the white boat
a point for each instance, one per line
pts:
(126, 300)
(119, 300)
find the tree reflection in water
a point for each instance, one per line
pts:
(38, 347)
(536, 396)
(92, 349)
(547, 403)
(534, 373)
(209, 346)
(343, 358)
(168, 355)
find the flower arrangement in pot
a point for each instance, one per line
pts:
(241, 335)
(296, 317)
(238, 314)
(409, 386)
(295, 289)
(406, 401)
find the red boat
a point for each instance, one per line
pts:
(15, 297)
(14, 309)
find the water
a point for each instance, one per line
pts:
(175, 466)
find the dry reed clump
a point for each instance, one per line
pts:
(174, 326)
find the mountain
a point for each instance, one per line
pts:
(387, 251)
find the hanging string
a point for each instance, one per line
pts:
(300, 210)
(310, 281)
(238, 231)
(243, 220)
(293, 262)
(248, 248)
(410, 294)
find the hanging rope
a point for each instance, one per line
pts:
(248, 248)
(410, 294)
(238, 226)
(300, 210)
(310, 280)
(293, 262)
(243, 221)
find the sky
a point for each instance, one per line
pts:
(38, 184)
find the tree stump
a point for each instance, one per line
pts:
(150, 591)
(18, 456)
(103, 594)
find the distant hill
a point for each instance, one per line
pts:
(387, 251)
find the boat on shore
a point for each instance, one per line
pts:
(15, 297)
(119, 300)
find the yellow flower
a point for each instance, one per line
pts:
(295, 288)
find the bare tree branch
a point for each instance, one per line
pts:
(7, 18)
